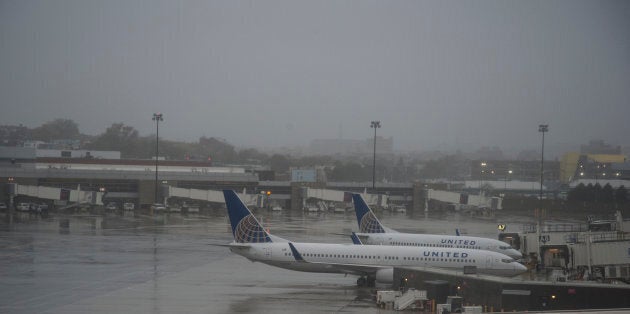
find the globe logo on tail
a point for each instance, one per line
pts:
(369, 224)
(249, 231)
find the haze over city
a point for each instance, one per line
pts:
(437, 74)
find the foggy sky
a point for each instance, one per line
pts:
(437, 74)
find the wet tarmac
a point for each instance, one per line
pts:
(124, 263)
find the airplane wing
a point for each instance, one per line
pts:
(357, 269)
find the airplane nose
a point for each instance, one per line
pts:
(519, 268)
(516, 254)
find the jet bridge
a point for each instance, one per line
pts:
(463, 199)
(341, 196)
(212, 196)
(58, 194)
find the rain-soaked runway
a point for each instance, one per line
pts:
(115, 263)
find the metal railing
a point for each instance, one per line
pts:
(531, 228)
(609, 236)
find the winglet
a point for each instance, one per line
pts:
(296, 254)
(368, 223)
(355, 239)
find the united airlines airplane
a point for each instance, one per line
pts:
(371, 262)
(373, 232)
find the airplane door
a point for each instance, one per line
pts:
(267, 252)
(488, 262)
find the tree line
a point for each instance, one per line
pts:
(595, 193)
(127, 140)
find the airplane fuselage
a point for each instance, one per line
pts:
(365, 259)
(439, 241)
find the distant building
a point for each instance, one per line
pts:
(13, 135)
(621, 170)
(308, 175)
(78, 153)
(575, 166)
(506, 170)
(36, 144)
(32, 152)
(600, 147)
(304, 175)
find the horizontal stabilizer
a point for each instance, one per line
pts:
(355, 239)
(231, 245)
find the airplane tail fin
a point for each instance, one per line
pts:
(245, 227)
(368, 223)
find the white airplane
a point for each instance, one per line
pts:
(371, 262)
(373, 232)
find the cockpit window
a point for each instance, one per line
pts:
(507, 260)
(505, 247)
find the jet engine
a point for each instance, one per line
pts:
(385, 276)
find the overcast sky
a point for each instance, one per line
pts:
(437, 74)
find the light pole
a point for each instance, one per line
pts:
(375, 125)
(505, 182)
(483, 170)
(543, 128)
(157, 117)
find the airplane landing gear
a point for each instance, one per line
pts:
(361, 281)
(366, 281)
(371, 281)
